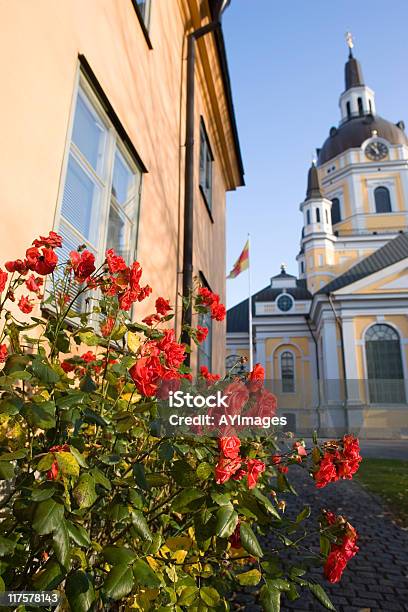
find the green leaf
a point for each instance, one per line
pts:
(140, 476)
(101, 479)
(6, 470)
(267, 504)
(278, 583)
(60, 544)
(181, 502)
(156, 480)
(45, 462)
(204, 471)
(115, 555)
(67, 463)
(119, 582)
(324, 545)
(84, 492)
(89, 338)
(44, 372)
(45, 491)
(18, 454)
(183, 473)
(270, 599)
(79, 591)
(16, 363)
(166, 451)
(144, 575)
(48, 516)
(321, 595)
(222, 499)
(188, 596)
(24, 375)
(140, 524)
(49, 577)
(303, 515)
(6, 546)
(250, 578)
(209, 596)
(87, 385)
(80, 459)
(249, 541)
(78, 534)
(227, 520)
(71, 399)
(11, 406)
(40, 415)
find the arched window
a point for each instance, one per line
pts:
(335, 211)
(348, 107)
(360, 106)
(308, 217)
(317, 215)
(384, 365)
(287, 372)
(382, 200)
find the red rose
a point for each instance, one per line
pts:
(127, 298)
(52, 241)
(326, 471)
(25, 304)
(349, 547)
(207, 297)
(52, 474)
(145, 374)
(67, 367)
(150, 320)
(276, 459)
(3, 353)
(144, 293)
(201, 333)
(218, 312)
(225, 468)
(17, 266)
(162, 306)
(115, 262)
(89, 356)
(283, 469)
(239, 474)
(335, 565)
(174, 352)
(3, 280)
(255, 467)
(107, 326)
(256, 378)
(83, 264)
(170, 381)
(43, 262)
(237, 396)
(229, 446)
(210, 378)
(135, 275)
(34, 284)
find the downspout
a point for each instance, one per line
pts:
(319, 398)
(343, 361)
(189, 179)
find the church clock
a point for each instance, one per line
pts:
(376, 150)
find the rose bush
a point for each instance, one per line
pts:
(95, 502)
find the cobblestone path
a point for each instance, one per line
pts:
(377, 578)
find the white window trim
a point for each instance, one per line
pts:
(287, 350)
(113, 142)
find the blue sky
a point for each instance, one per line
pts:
(286, 61)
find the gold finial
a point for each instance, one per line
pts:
(283, 267)
(349, 40)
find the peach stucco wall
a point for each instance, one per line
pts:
(39, 50)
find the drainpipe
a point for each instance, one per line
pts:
(189, 169)
(343, 361)
(319, 397)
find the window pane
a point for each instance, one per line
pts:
(118, 233)
(89, 134)
(335, 211)
(123, 180)
(382, 200)
(205, 348)
(81, 199)
(384, 365)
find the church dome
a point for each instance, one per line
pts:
(352, 133)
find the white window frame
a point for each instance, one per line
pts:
(287, 350)
(113, 142)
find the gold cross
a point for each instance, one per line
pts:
(349, 40)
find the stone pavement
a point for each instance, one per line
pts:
(376, 579)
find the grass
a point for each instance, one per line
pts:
(387, 478)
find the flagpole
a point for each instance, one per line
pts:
(251, 352)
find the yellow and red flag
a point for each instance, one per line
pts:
(242, 262)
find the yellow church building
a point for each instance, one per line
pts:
(334, 341)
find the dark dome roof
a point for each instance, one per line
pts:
(354, 132)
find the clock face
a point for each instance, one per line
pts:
(376, 150)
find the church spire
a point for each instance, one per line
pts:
(313, 184)
(352, 71)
